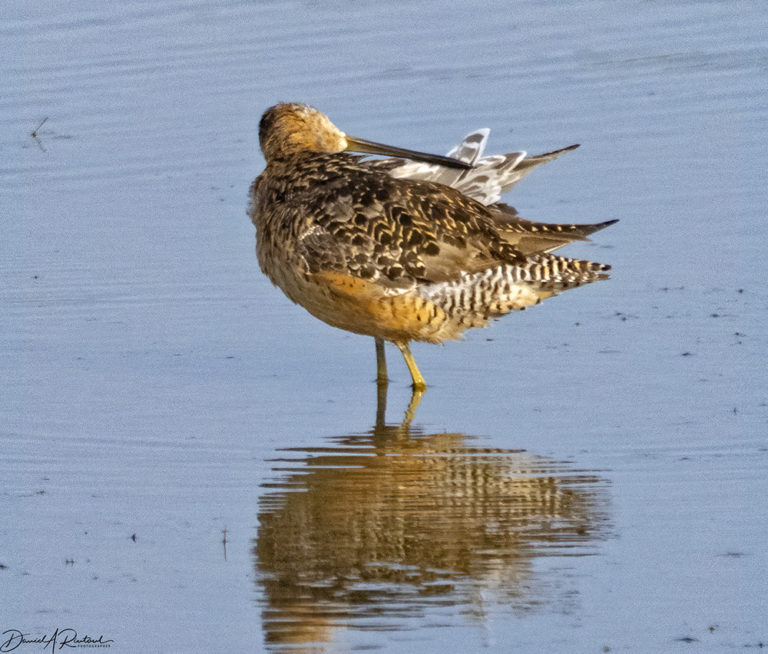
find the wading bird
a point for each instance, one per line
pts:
(412, 248)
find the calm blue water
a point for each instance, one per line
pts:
(191, 463)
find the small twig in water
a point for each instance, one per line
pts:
(33, 133)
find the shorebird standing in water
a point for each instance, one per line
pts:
(401, 250)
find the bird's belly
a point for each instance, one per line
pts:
(364, 307)
(431, 312)
(394, 317)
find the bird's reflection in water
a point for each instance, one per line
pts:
(373, 529)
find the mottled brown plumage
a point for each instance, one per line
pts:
(397, 250)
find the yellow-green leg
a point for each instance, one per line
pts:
(418, 381)
(382, 383)
(381, 363)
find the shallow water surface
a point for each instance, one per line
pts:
(192, 463)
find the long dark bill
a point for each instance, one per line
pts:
(355, 144)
